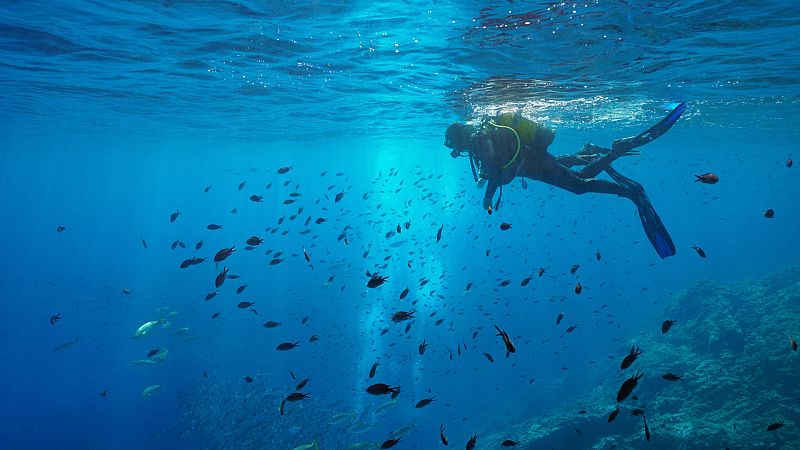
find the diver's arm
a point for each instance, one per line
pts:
(491, 188)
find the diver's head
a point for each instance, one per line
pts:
(457, 138)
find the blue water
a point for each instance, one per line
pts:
(115, 115)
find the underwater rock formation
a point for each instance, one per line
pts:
(730, 344)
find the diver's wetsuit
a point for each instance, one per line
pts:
(501, 157)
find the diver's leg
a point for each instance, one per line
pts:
(552, 172)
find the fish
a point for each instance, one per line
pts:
(442, 437)
(774, 426)
(385, 406)
(146, 328)
(404, 293)
(60, 228)
(282, 347)
(526, 281)
(541, 271)
(207, 188)
(248, 379)
(199, 245)
(613, 415)
(401, 316)
(699, 251)
(769, 214)
(275, 261)
(342, 417)
(241, 288)
(627, 386)
(63, 346)
(578, 288)
(313, 338)
(296, 396)
(508, 443)
(301, 384)
(666, 325)
(241, 186)
(383, 389)
(489, 357)
(789, 163)
(256, 198)
(439, 234)
(646, 430)
(338, 197)
(671, 377)
(191, 262)
(630, 357)
(424, 402)
(793, 343)
(174, 216)
(506, 340)
(245, 305)
(320, 220)
(504, 283)
(572, 328)
(223, 254)
(271, 324)
(374, 369)
(55, 318)
(307, 446)
(422, 347)
(598, 255)
(376, 280)
(211, 295)
(707, 178)
(254, 240)
(153, 352)
(215, 315)
(148, 391)
(144, 243)
(559, 318)
(473, 440)
(389, 443)
(469, 286)
(574, 268)
(213, 227)
(505, 226)
(284, 170)
(221, 277)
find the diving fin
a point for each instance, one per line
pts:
(653, 227)
(621, 146)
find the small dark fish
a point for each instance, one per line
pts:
(526, 281)
(506, 340)
(248, 379)
(598, 255)
(245, 305)
(153, 352)
(425, 402)
(215, 315)
(578, 288)
(271, 324)
(793, 343)
(213, 227)
(382, 389)
(628, 386)
(469, 286)
(241, 288)
(541, 271)
(707, 178)
(472, 442)
(207, 188)
(401, 316)
(399, 229)
(283, 403)
(313, 338)
(221, 277)
(559, 318)
(55, 318)
(508, 443)
(666, 325)
(301, 384)
(390, 443)
(374, 369)
(442, 437)
(296, 396)
(376, 280)
(671, 377)
(489, 357)
(505, 226)
(572, 328)
(630, 357)
(774, 426)
(613, 415)
(275, 261)
(320, 220)
(223, 254)
(284, 170)
(191, 262)
(574, 268)
(439, 234)
(144, 244)
(233, 277)
(199, 245)
(338, 197)
(174, 216)
(422, 347)
(769, 214)
(646, 430)
(286, 346)
(789, 163)
(254, 240)
(103, 394)
(241, 185)
(699, 251)
(211, 295)
(580, 433)
(60, 228)
(404, 293)
(256, 198)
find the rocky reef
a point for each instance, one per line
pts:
(730, 344)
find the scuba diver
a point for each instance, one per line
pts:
(508, 146)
